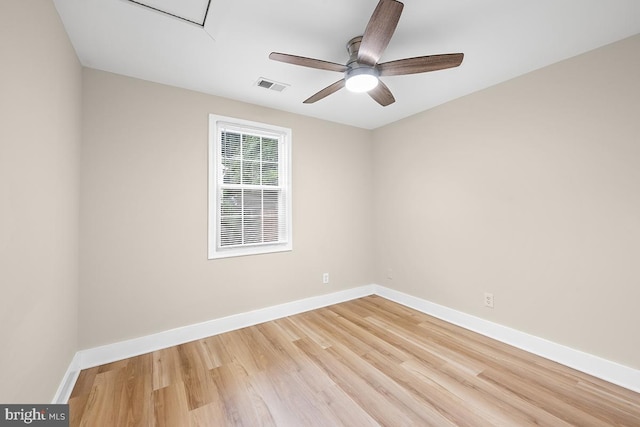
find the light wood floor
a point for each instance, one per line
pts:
(367, 362)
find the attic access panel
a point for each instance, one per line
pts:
(194, 11)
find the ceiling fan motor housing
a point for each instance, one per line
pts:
(359, 77)
(353, 46)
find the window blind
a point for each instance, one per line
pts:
(251, 191)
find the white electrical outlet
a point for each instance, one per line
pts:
(488, 300)
(325, 278)
(389, 273)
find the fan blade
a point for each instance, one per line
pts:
(307, 62)
(379, 31)
(325, 92)
(420, 64)
(382, 95)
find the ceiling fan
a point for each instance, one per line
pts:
(362, 71)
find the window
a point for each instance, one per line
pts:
(249, 188)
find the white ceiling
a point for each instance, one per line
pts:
(501, 39)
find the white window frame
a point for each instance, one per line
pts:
(216, 125)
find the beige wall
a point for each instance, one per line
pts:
(40, 84)
(144, 264)
(530, 190)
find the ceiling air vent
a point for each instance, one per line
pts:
(271, 85)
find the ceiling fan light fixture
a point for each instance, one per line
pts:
(361, 79)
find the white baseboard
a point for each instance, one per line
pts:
(137, 346)
(68, 381)
(593, 365)
(590, 364)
